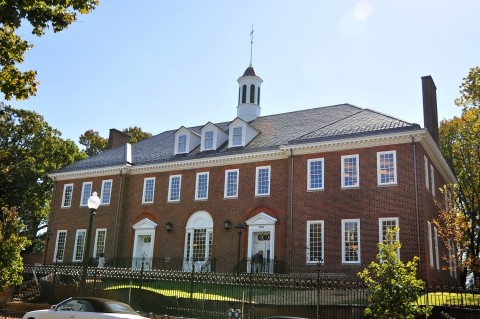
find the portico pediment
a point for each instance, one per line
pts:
(261, 219)
(145, 224)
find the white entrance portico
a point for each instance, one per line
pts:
(143, 243)
(261, 238)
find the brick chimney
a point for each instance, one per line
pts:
(117, 138)
(430, 115)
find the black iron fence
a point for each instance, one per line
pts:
(210, 294)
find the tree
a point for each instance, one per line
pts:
(470, 89)
(452, 225)
(460, 146)
(41, 15)
(11, 244)
(95, 144)
(393, 285)
(29, 150)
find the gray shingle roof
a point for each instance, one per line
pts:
(305, 126)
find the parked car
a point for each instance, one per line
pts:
(85, 307)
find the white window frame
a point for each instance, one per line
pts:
(103, 194)
(96, 251)
(425, 167)
(268, 168)
(197, 186)
(64, 196)
(309, 259)
(79, 247)
(379, 167)
(357, 168)
(60, 246)
(145, 181)
(344, 222)
(450, 257)
(309, 173)
(170, 181)
(227, 180)
(432, 178)
(211, 140)
(238, 136)
(382, 231)
(182, 146)
(437, 252)
(86, 193)
(430, 243)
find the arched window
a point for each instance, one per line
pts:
(244, 93)
(239, 93)
(252, 93)
(258, 96)
(198, 241)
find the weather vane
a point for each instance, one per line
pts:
(251, 45)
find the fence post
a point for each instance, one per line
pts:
(141, 283)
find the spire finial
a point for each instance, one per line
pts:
(251, 45)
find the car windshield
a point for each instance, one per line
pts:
(120, 307)
(76, 305)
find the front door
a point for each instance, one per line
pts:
(261, 238)
(143, 244)
(261, 252)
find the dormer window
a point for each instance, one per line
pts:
(182, 144)
(237, 137)
(208, 140)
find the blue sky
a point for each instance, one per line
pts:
(163, 64)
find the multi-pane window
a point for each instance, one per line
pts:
(432, 179)
(350, 240)
(315, 174)
(174, 188)
(437, 256)
(231, 183)
(60, 247)
(148, 190)
(100, 239)
(198, 245)
(386, 168)
(182, 144)
(79, 245)
(350, 171)
(201, 191)
(430, 243)
(67, 195)
(237, 136)
(315, 241)
(106, 192)
(386, 224)
(208, 140)
(262, 185)
(86, 193)
(425, 168)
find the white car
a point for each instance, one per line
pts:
(85, 307)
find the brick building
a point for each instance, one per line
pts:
(308, 188)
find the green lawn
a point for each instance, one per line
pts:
(450, 299)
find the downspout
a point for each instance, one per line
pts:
(417, 209)
(290, 229)
(119, 210)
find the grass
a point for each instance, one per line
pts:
(450, 299)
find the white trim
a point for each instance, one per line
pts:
(170, 178)
(63, 195)
(109, 193)
(357, 221)
(196, 185)
(144, 189)
(83, 197)
(225, 188)
(432, 179)
(257, 169)
(426, 169)
(379, 172)
(75, 246)
(261, 222)
(309, 188)
(145, 223)
(357, 168)
(380, 229)
(430, 243)
(96, 241)
(437, 252)
(61, 231)
(322, 253)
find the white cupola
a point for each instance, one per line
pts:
(249, 83)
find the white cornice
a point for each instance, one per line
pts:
(104, 171)
(420, 135)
